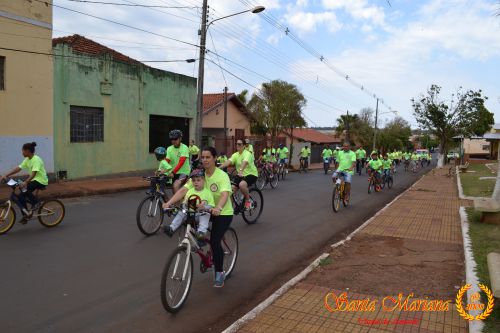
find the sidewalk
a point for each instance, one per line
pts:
(70, 189)
(413, 246)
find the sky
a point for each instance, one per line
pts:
(341, 54)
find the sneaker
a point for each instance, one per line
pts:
(219, 279)
(248, 205)
(200, 237)
(168, 231)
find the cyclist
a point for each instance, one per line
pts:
(415, 158)
(360, 159)
(283, 154)
(327, 154)
(249, 146)
(194, 151)
(335, 156)
(221, 158)
(243, 161)
(304, 154)
(407, 158)
(387, 166)
(37, 178)
(375, 165)
(217, 181)
(178, 154)
(346, 160)
(164, 168)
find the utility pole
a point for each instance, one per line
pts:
(375, 131)
(201, 73)
(225, 120)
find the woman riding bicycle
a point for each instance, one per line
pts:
(217, 181)
(243, 161)
(37, 179)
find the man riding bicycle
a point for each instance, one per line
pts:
(387, 166)
(178, 155)
(360, 159)
(283, 154)
(304, 154)
(346, 160)
(243, 161)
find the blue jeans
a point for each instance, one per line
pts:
(347, 175)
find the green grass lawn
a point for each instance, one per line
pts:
(473, 186)
(485, 239)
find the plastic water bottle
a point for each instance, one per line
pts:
(23, 189)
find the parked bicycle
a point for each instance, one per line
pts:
(49, 213)
(177, 275)
(339, 193)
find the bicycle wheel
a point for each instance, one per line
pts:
(336, 199)
(176, 279)
(7, 218)
(344, 201)
(283, 173)
(370, 186)
(390, 182)
(230, 247)
(251, 216)
(51, 213)
(273, 181)
(149, 216)
(382, 185)
(261, 180)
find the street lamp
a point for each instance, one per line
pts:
(201, 68)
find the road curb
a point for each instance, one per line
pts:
(475, 326)
(268, 301)
(461, 191)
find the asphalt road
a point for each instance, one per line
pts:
(97, 273)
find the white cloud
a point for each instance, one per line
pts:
(358, 9)
(305, 22)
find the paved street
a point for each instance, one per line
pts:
(97, 273)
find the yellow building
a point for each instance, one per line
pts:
(26, 81)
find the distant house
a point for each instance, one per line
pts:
(111, 111)
(481, 147)
(238, 120)
(312, 137)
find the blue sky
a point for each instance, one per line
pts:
(395, 50)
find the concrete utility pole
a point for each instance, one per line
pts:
(375, 131)
(225, 120)
(201, 72)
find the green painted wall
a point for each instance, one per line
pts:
(128, 94)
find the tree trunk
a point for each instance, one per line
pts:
(441, 155)
(496, 191)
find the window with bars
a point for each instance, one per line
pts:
(87, 124)
(2, 73)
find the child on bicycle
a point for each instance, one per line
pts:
(207, 202)
(387, 165)
(375, 165)
(164, 168)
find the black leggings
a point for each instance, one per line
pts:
(28, 195)
(220, 224)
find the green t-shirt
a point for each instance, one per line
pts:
(282, 152)
(336, 153)
(164, 166)
(414, 157)
(237, 159)
(222, 159)
(345, 160)
(360, 153)
(35, 164)
(268, 152)
(217, 183)
(194, 150)
(376, 164)
(174, 155)
(327, 153)
(387, 164)
(305, 152)
(250, 148)
(406, 156)
(204, 194)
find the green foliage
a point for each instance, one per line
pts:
(466, 115)
(394, 135)
(360, 127)
(242, 96)
(276, 107)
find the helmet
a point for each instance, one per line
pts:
(175, 134)
(338, 148)
(160, 153)
(282, 145)
(247, 141)
(374, 153)
(197, 173)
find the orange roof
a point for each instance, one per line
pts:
(81, 44)
(211, 101)
(311, 135)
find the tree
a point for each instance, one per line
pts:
(277, 107)
(466, 115)
(242, 96)
(394, 135)
(360, 126)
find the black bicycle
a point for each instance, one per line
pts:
(251, 215)
(387, 179)
(266, 176)
(49, 213)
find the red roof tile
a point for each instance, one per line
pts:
(84, 45)
(212, 100)
(310, 135)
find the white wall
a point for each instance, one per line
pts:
(11, 156)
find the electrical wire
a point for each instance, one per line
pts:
(130, 5)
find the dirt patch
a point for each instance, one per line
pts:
(382, 266)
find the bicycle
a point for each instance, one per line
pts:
(387, 179)
(304, 163)
(339, 193)
(415, 166)
(373, 183)
(326, 164)
(282, 168)
(250, 216)
(49, 213)
(266, 176)
(177, 275)
(407, 165)
(149, 215)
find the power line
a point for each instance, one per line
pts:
(130, 5)
(223, 76)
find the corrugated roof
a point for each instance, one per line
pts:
(84, 45)
(311, 135)
(491, 136)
